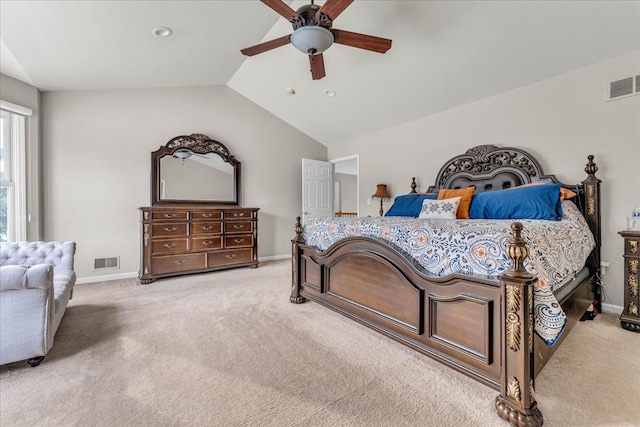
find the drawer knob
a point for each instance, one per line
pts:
(238, 226)
(207, 242)
(170, 245)
(170, 229)
(207, 228)
(236, 214)
(239, 240)
(206, 215)
(231, 256)
(169, 215)
(180, 262)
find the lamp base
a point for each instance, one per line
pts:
(381, 210)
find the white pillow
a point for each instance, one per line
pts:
(440, 209)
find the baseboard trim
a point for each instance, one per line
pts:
(611, 308)
(274, 258)
(106, 277)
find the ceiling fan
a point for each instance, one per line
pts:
(313, 33)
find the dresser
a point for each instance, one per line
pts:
(630, 319)
(194, 239)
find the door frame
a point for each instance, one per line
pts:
(346, 159)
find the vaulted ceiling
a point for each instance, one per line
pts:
(444, 53)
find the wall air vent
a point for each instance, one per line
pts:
(106, 263)
(623, 88)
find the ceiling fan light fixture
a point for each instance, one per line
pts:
(182, 154)
(312, 39)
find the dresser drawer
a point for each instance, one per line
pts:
(206, 215)
(238, 214)
(238, 226)
(178, 263)
(206, 227)
(169, 215)
(170, 229)
(238, 241)
(206, 243)
(168, 246)
(234, 256)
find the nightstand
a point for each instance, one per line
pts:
(630, 319)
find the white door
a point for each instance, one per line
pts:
(317, 189)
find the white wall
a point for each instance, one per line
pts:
(98, 144)
(560, 121)
(19, 93)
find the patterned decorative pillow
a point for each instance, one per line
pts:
(440, 209)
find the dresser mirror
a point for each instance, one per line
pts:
(194, 169)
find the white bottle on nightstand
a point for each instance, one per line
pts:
(633, 223)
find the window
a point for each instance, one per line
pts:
(13, 217)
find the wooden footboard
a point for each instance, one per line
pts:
(469, 323)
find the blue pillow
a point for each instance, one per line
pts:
(409, 204)
(528, 202)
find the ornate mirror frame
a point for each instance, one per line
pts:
(198, 144)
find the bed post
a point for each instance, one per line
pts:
(516, 402)
(296, 298)
(593, 218)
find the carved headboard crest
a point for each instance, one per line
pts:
(490, 167)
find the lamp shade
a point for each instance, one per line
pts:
(382, 192)
(312, 39)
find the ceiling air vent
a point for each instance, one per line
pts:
(106, 263)
(623, 88)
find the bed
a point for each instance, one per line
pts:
(483, 325)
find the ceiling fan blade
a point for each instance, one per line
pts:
(282, 8)
(362, 41)
(333, 8)
(317, 66)
(263, 47)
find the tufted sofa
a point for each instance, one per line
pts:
(36, 284)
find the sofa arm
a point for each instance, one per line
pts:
(13, 277)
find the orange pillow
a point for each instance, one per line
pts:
(465, 202)
(565, 193)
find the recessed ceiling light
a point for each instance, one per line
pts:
(162, 31)
(291, 91)
(329, 92)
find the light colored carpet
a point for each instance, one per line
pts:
(228, 349)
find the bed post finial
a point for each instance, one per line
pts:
(517, 251)
(591, 168)
(298, 229)
(413, 185)
(516, 402)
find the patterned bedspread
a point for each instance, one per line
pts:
(558, 249)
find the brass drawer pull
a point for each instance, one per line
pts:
(170, 229)
(170, 215)
(236, 214)
(180, 262)
(206, 215)
(207, 228)
(206, 243)
(170, 245)
(238, 226)
(232, 256)
(239, 240)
